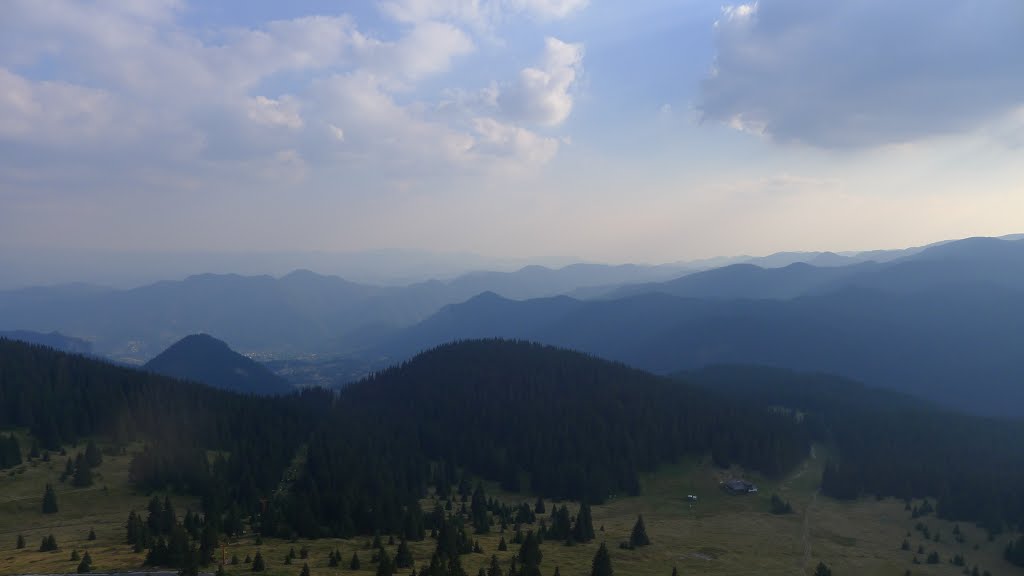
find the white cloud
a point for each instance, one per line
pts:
(337, 132)
(269, 112)
(544, 95)
(429, 49)
(144, 98)
(52, 112)
(862, 73)
(548, 9)
(480, 14)
(506, 140)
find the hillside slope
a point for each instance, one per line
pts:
(202, 358)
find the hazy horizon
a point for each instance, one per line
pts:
(388, 267)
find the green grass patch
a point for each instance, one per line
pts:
(719, 534)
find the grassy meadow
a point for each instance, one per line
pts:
(720, 534)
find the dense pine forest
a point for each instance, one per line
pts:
(532, 418)
(892, 445)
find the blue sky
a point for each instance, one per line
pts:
(607, 131)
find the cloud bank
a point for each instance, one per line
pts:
(864, 73)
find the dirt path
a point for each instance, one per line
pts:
(806, 537)
(806, 534)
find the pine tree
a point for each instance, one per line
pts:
(583, 531)
(257, 563)
(639, 536)
(822, 570)
(602, 565)
(332, 559)
(530, 555)
(495, 568)
(386, 566)
(557, 572)
(93, 457)
(92, 534)
(675, 571)
(403, 557)
(208, 542)
(538, 507)
(85, 566)
(21, 542)
(502, 546)
(220, 569)
(49, 544)
(75, 557)
(354, 564)
(83, 473)
(49, 500)
(305, 570)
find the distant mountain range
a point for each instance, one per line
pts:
(940, 321)
(204, 359)
(54, 340)
(299, 313)
(943, 323)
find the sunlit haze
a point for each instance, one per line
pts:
(518, 131)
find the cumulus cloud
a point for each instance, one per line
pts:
(544, 95)
(481, 14)
(862, 73)
(428, 49)
(52, 112)
(509, 141)
(283, 111)
(148, 92)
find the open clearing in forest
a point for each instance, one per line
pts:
(720, 534)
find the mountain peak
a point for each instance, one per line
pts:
(205, 359)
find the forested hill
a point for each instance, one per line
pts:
(573, 425)
(203, 358)
(890, 444)
(559, 423)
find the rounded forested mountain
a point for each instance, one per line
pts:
(560, 423)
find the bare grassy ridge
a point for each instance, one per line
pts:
(720, 534)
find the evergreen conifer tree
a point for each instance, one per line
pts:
(822, 570)
(639, 535)
(85, 566)
(386, 566)
(354, 564)
(583, 531)
(305, 570)
(530, 555)
(21, 542)
(49, 544)
(494, 569)
(93, 457)
(92, 534)
(83, 473)
(602, 564)
(403, 556)
(49, 500)
(258, 565)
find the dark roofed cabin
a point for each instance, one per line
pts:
(737, 486)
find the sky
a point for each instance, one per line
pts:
(598, 130)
